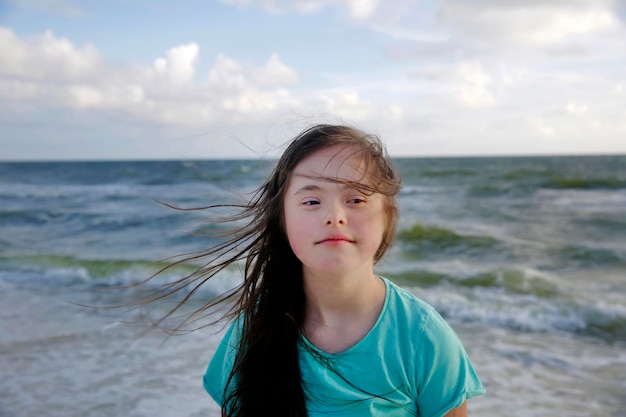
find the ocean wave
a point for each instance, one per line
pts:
(54, 271)
(512, 281)
(519, 300)
(584, 256)
(423, 239)
(29, 217)
(585, 183)
(604, 224)
(77, 195)
(67, 270)
(448, 172)
(488, 190)
(525, 173)
(224, 172)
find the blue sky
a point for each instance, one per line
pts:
(152, 79)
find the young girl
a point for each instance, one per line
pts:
(316, 332)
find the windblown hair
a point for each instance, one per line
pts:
(270, 302)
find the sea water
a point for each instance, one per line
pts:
(525, 257)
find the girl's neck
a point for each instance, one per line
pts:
(340, 312)
(337, 291)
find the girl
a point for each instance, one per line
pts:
(315, 331)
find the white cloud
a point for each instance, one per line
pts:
(85, 96)
(576, 109)
(283, 6)
(473, 87)
(110, 96)
(348, 103)
(543, 128)
(45, 57)
(227, 73)
(362, 9)
(541, 76)
(275, 73)
(52, 72)
(63, 7)
(532, 23)
(357, 9)
(467, 84)
(178, 65)
(446, 30)
(18, 89)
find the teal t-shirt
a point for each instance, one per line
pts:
(411, 363)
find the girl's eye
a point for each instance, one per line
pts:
(310, 202)
(356, 200)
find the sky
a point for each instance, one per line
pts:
(192, 79)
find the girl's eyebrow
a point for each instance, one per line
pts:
(315, 187)
(308, 187)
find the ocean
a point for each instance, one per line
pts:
(525, 257)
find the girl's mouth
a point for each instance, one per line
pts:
(335, 240)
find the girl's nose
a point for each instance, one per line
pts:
(335, 215)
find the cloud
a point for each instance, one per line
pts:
(282, 6)
(227, 73)
(541, 76)
(576, 109)
(45, 57)
(178, 66)
(473, 90)
(529, 23)
(466, 83)
(275, 73)
(357, 9)
(449, 30)
(59, 7)
(51, 72)
(362, 9)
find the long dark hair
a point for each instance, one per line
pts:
(270, 302)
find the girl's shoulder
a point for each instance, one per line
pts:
(401, 300)
(408, 313)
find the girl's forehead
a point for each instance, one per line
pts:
(342, 162)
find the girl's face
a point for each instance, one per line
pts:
(333, 228)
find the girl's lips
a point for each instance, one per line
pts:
(335, 240)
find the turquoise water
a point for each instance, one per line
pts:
(525, 257)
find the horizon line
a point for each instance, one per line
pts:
(393, 157)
